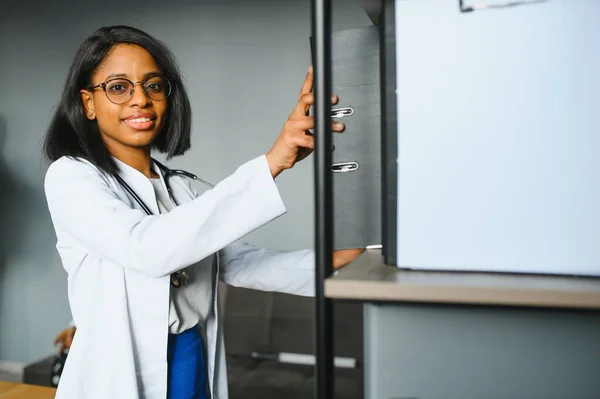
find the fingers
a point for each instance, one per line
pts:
(303, 105)
(304, 141)
(337, 126)
(296, 131)
(301, 124)
(307, 86)
(302, 136)
(296, 141)
(305, 101)
(307, 124)
(309, 99)
(343, 257)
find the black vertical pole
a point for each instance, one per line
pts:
(321, 32)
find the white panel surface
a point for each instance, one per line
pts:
(499, 137)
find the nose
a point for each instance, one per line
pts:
(139, 97)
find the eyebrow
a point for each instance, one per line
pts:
(124, 75)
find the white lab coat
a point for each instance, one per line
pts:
(119, 259)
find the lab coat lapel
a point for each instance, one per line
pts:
(140, 185)
(182, 193)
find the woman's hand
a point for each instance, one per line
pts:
(342, 257)
(295, 142)
(65, 338)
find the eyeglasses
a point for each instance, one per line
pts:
(120, 90)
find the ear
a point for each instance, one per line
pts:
(87, 102)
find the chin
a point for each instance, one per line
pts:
(140, 138)
(131, 138)
(139, 144)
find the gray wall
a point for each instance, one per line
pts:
(243, 61)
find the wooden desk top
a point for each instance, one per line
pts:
(13, 390)
(368, 279)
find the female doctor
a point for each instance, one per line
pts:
(143, 261)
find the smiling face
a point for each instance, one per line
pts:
(134, 124)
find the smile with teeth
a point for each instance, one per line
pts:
(141, 122)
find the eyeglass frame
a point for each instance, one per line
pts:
(104, 84)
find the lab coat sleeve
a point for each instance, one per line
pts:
(84, 207)
(290, 272)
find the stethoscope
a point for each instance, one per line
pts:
(179, 278)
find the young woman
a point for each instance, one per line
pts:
(144, 253)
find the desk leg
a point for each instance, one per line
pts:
(459, 352)
(371, 347)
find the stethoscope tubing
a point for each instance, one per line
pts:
(167, 173)
(178, 278)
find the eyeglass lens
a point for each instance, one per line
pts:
(120, 91)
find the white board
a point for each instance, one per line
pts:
(499, 137)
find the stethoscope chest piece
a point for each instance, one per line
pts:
(179, 279)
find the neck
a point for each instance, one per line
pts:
(137, 158)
